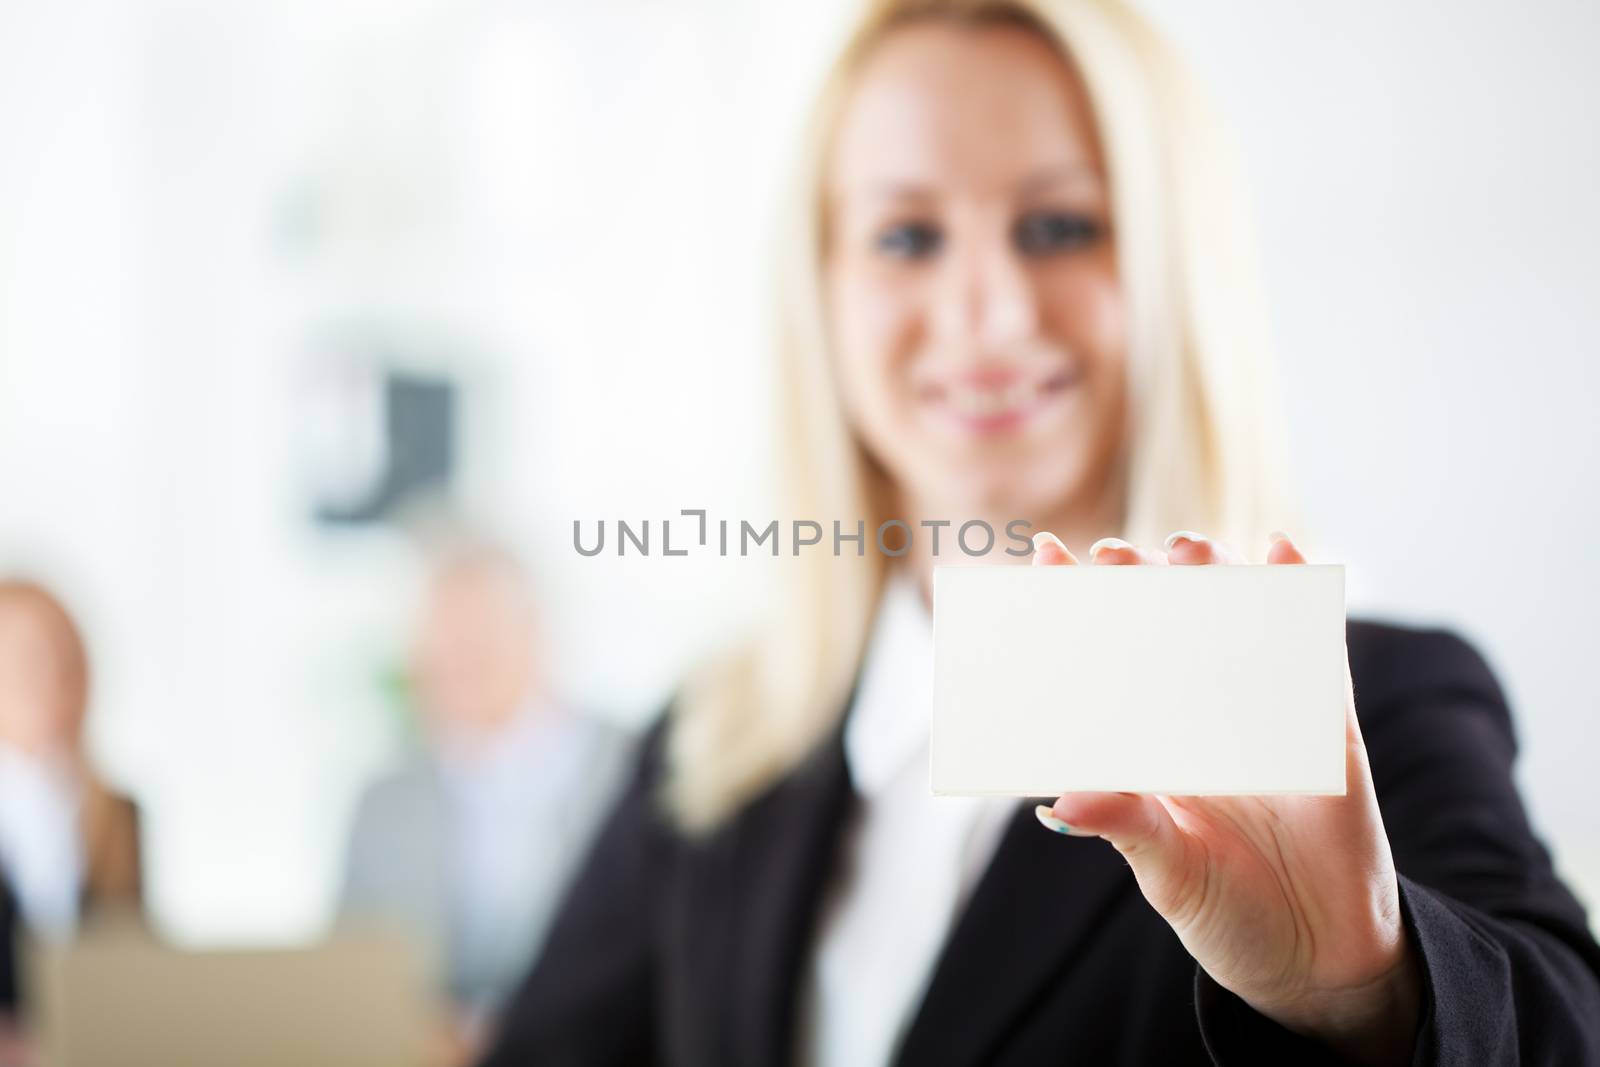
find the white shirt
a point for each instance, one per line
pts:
(41, 848)
(907, 863)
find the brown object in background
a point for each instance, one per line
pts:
(119, 998)
(110, 826)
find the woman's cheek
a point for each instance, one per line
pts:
(1090, 322)
(1086, 310)
(878, 339)
(1107, 317)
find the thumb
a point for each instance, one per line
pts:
(1141, 828)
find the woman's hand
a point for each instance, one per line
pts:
(1290, 902)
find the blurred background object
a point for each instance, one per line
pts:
(471, 842)
(238, 241)
(69, 845)
(119, 997)
(372, 436)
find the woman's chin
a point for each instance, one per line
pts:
(1004, 495)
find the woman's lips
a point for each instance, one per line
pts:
(994, 406)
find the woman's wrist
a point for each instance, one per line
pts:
(1374, 1024)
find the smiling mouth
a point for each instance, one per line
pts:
(992, 407)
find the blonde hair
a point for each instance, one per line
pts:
(1204, 449)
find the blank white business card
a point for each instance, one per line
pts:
(1143, 679)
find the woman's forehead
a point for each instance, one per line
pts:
(941, 106)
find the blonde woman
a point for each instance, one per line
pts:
(1016, 290)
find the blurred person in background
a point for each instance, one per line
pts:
(69, 846)
(471, 843)
(1015, 289)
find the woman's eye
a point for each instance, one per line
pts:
(1041, 233)
(909, 240)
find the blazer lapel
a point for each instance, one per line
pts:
(1040, 897)
(782, 858)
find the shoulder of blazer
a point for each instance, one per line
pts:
(1395, 666)
(613, 750)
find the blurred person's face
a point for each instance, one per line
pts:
(474, 657)
(42, 683)
(973, 296)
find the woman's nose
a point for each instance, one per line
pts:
(987, 300)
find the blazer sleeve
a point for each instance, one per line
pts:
(590, 998)
(8, 958)
(1511, 973)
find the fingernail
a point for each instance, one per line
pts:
(1048, 820)
(1106, 544)
(1276, 536)
(1183, 535)
(1045, 537)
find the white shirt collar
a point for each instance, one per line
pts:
(892, 716)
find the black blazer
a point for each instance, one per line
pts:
(8, 961)
(688, 954)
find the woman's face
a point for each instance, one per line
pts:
(972, 287)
